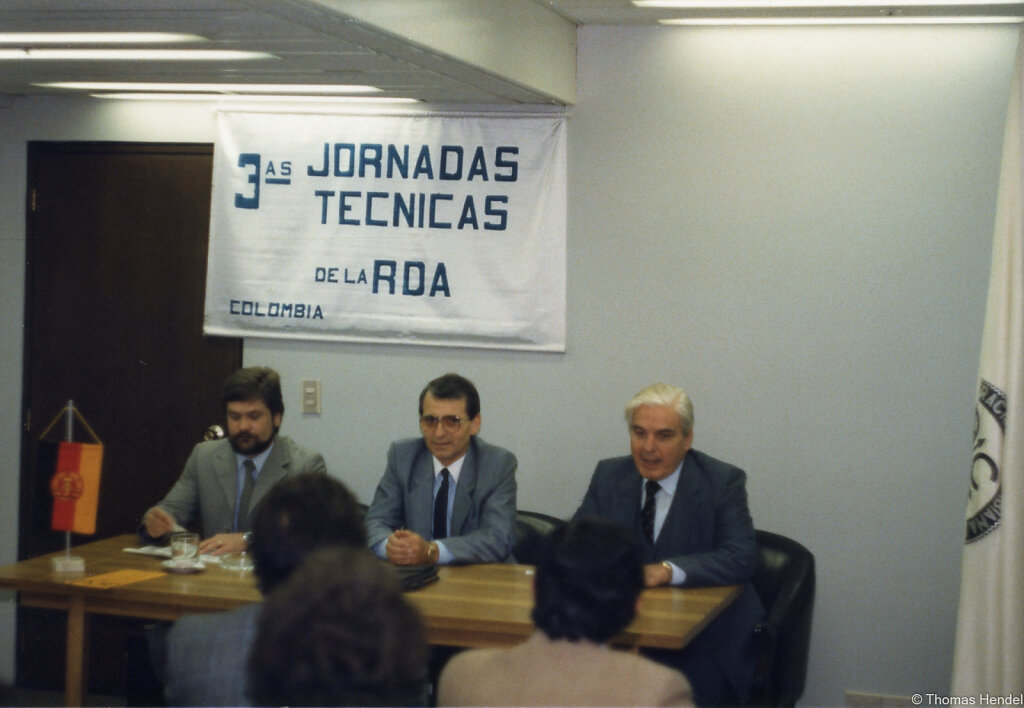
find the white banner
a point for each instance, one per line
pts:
(988, 660)
(415, 229)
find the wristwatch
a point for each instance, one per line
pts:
(433, 552)
(671, 572)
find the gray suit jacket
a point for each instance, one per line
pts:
(206, 490)
(207, 656)
(542, 672)
(708, 533)
(483, 513)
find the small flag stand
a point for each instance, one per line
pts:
(75, 486)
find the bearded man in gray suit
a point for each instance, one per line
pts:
(223, 480)
(690, 513)
(446, 497)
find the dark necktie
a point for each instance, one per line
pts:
(647, 513)
(242, 509)
(441, 508)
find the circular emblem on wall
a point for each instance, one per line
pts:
(984, 493)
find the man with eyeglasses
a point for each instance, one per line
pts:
(446, 497)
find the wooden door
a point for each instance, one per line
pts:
(117, 241)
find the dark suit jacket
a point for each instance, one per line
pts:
(206, 490)
(708, 533)
(483, 512)
(207, 656)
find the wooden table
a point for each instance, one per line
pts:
(489, 605)
(470, 606)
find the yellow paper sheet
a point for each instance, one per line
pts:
(117, 578)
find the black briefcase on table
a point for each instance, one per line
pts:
(415, 576)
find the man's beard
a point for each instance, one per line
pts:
(252, 445)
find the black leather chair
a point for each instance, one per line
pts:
(531, 528)
(784, 580)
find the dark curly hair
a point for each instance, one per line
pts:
(339, 632)
(298, 515)
(588, 578)
(255, 382)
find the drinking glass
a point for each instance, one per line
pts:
(184, 548)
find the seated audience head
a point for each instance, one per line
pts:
(297, 516)
(588, 580)
(339, 632)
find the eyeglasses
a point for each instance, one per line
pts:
(451, 423)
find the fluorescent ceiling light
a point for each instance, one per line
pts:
(837, 12)
(836, 4)
(847, 20)
(23, 39)
(239, 98)
(131, 55)
(322, 89)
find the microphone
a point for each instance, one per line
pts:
(214, 432)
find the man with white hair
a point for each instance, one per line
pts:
(689, 512)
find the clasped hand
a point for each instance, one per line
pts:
(656, 574)
(406, 547)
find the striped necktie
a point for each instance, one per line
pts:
(647, 513)
(242, 508)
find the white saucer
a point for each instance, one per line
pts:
(176, 568)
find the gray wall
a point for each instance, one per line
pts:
(792, 224)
